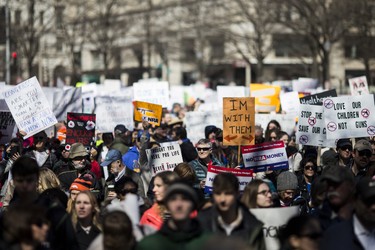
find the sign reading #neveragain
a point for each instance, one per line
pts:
(311, 128)
(359, 86)
(317, 99)
(238, 120)
(29, 107)
(244, 176)
(349, 116)
(80, 128)
(164, 158)
(144, 111)
(7, 124)
(265, 156)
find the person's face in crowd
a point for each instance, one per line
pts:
(159, 189)
(25, 184)
(180, 207)
(285, 139)
(272, 126)
(161, 131)
(181, 114)
(258, 131)
(79, 162)
(264, 197)
(339, 194)
(308, 169)
(115, 167)
(372, 159)
(39, 142)
(273, 136)
(224, 201)
(73, 194)
(362, 158)
(345, 152)
(83, 206)
(204, 150)
(174, 136)
(308, 239)
(365, 210)
(9, 148)
(287, 195)
(167, 118)
(40, 231)
(128, 188)
(65, 154)
(176, 108)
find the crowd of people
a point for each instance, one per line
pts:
(59, 196)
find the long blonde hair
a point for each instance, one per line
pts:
(47, 180)
(95, 209)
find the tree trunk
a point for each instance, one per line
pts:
(325, 68)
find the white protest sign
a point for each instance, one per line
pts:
(229, 91)
(152, 92)
(289, 102)
(111, 111)
(244, 176)
(349, 116)
(359, 86)
(164, 158)
(112, 85)
(67, 100)
(304, 83)
(273, 220)
(89, 92)
(7, 125)
(265, 156)
(311, 127)
(29, 107)
(287, 121)
(177, 95)
(196, 122)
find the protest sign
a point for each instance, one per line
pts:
(317, 99)
(3, 105)
(229, 91)
(7, 125)
(244, 176)
(89, 92)
(238, 121)
(152, 92)
(164, 158)
(287, 121)
(359, 86)
(144, 111)
(80, 128)
(68, 100)
(111, 111)
(266, 97)
(304, 83)
(290, 102)
(265, 156)
(196, 122)
(349, 116)
(177, 95)
(274, 219)
(112, 85)
(311, 127)
(29, 107)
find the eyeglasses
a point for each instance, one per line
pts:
(203, 149)
(264, 192)
(365, 153)
(344, 148)
(79, 158)
(309, 167)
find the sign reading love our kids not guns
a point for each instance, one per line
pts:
(265, 156)
(238, 120)
(81, 128)
(349, 116)
(244, 176)
(144, 111)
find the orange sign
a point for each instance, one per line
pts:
(238, 121)
(147, 111)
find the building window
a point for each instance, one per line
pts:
(41, 17)
(188, 49)
(290, 45)
(17, 17)
(59, 11)
(217, 48)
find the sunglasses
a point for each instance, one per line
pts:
(309, 167)
(365, 153)
(79, 158)
(203, 149)
(264, 192)
(350, 148)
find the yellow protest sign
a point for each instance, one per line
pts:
(147, 111)
(266, 97)
(238, 121)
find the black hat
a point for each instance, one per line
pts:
(337, 174)
(343, 142)
(366, 189)
(120, 129)
(181, 188)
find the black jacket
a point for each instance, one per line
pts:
(84, 239)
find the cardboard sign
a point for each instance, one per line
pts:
(290, 102)
(111, 111)
(274, 219)
(144, 111)
(349, 116)
(238, 121)
(266, 97)
(164, 158)
(68, 100)
(80, 128)
(7, 125)
(244, 176)
(317, 99)
(265, 156)
(311, 127)
(229, 91)
(152, 92)
(359, 86)
(29, 107)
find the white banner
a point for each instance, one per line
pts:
(289, 102)
(359, 86)
(67, 100)
(29, 107)
(349, 116)
(164, 158)
(287, 121)
(153, 92)
(229, 91)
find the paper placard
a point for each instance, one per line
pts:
(164, 158)
(349, 116)
(29, 107)
(287, 121)
(274, 219)
(317, 99)
(266, 97)
(304, 83)
(80, 128)
(359, 86)
(229, 91)
(144, 111)
(152, 92)
(289, 102)
(238, 121)
(7, 125)
(244, 176)
(265, 156)
(68, 100)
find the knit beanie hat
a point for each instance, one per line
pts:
(80, 185)
(287, 181)
(181, 188)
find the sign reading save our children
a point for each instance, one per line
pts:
(164, 158)
(265, 156)
(349, 116)
(29, 107)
